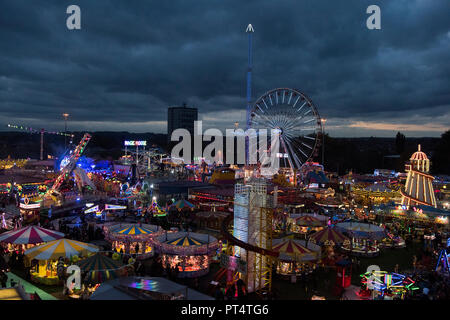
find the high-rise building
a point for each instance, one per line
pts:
(181, 117)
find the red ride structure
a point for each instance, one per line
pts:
(67, 170)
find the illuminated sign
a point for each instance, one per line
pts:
(135, 143)
(92, 209)
(282, 155)
(30, 206)
(114, 207)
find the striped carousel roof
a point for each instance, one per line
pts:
(100, 267)
(328, 235)
(363, 230)
(309, 221)
(60, 248)
(291, 247)
(132, 230)
(182, 204)
(185, 241)
(30, 235)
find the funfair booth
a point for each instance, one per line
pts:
(190, 252)
(132, 238)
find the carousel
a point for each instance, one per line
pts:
(28, 237)
(100, 267)
(328, 238)
(295, 256)
(304, 223)
(48, 254)
(376, 194)
(182, 205)
(132, 238)
(189, 252)
(365, 238)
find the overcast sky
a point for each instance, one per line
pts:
(133, 59)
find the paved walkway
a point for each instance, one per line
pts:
(30, 288)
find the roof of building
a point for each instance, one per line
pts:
(418, 155)
(110, 290)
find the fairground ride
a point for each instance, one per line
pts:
(54, 192)
(296, 120)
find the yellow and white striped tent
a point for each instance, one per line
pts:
(60, 248)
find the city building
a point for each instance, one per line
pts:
(181, 117)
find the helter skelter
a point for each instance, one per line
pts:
(418, 188)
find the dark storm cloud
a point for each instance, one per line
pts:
(133, 59)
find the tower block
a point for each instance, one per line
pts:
(419, 184)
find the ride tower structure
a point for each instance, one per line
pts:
(249, 31)
(68, 168)
(418, 188)
(253, 213)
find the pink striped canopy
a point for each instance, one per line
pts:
(30, 235)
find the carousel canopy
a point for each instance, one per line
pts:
(60, 248)
(30, 235)
(132, 230)
(182, 204)
(362, 230)
(309, 221)
(328, 236)
(298, 250)
(185, 241)
(379, 187)
(289, 246)
(100, 267)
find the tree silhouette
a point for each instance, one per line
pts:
(400, 143)
(441, 155)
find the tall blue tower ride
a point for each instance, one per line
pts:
(249, 31)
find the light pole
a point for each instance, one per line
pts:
(65, 116)
(323, 140)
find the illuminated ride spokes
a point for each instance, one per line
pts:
(68, 168)
(297, 121)
(383, 281)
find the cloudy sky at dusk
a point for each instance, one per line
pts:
(133, 59)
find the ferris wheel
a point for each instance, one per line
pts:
(298, 123)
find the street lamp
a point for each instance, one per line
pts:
(323, 140)
(65, 116)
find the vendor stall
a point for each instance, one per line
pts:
(190, 253)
